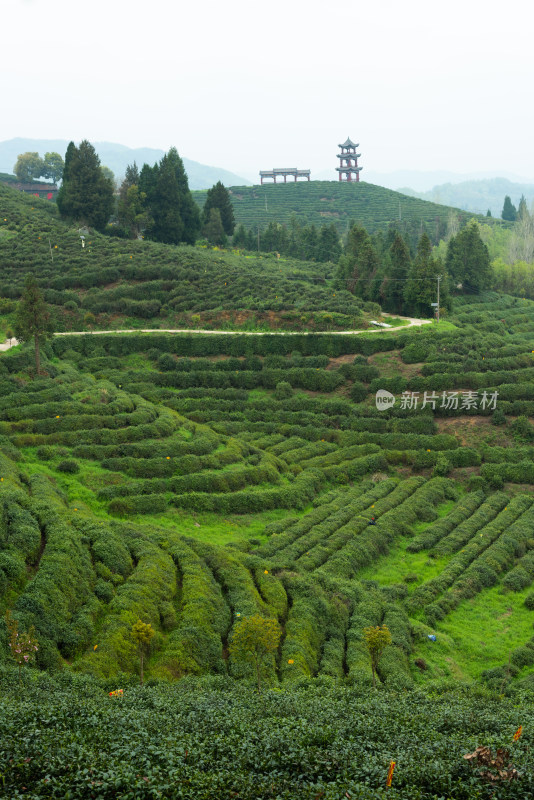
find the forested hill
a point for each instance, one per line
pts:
(321, 202)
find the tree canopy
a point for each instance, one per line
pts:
(86, 194)
(174, 216)
(33, 320)
(29, 167)
(219, 197)
(509, 211)
(468, 261)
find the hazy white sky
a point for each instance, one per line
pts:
(250, 85)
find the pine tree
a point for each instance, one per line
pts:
(522, 209)
(32, 320)
(86, 194)
(219, 197)
(167, 225)
(421, 287)
(399, 268)
(213, 229)
(329, 247)
(169, 202)
(509, 211)
(240, 238)
(468, 261)
(61, 195)
(345, 273)
(189, 210)
(131, 211)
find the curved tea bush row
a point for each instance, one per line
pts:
(209, 482)
(194, 646)
(362, 550)
(522, 574)
(480, 541)
(330, 515)
(466, 529)
(332, 544)
(442, 527)
(146, 594)
(340, 522)
(197, 446)
(305, 630)
(496, 474)
(292, 495)
(484, 571)
(164, 425)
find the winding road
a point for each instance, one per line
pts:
(411, 320)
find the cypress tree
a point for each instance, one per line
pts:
(219, 197)
(213, 229)
(329, 247)
(400, 261)
(61, 199)
(189, 211)
(347, 264)
(522, 209)
(509, 211)
(32, 320)
(167, 225)
(421, 287)
(468, 261)
(87, 195)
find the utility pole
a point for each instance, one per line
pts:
(439, 280)
(258, 238)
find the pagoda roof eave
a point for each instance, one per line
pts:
(349, 143)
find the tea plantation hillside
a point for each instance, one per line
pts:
(122, 283)
(193, 480)
(321, 202)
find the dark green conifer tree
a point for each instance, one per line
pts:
(356, 239)
(219, 197)
(509, 211)
(33, 320)
(397, 274)
(167, 224)
(421, 287)
(240, 238)
(87, 194)
(189, 211)
(329, 247)
(213, 229)
(60, 200)
(468, 261)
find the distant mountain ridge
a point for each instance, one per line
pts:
(117, 157)
(477, 196)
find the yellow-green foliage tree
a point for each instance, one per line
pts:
(254, 639)
(142, 633)
(376, 638)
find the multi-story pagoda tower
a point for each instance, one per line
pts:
(348, 162)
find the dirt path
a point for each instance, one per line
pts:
(412, 323)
